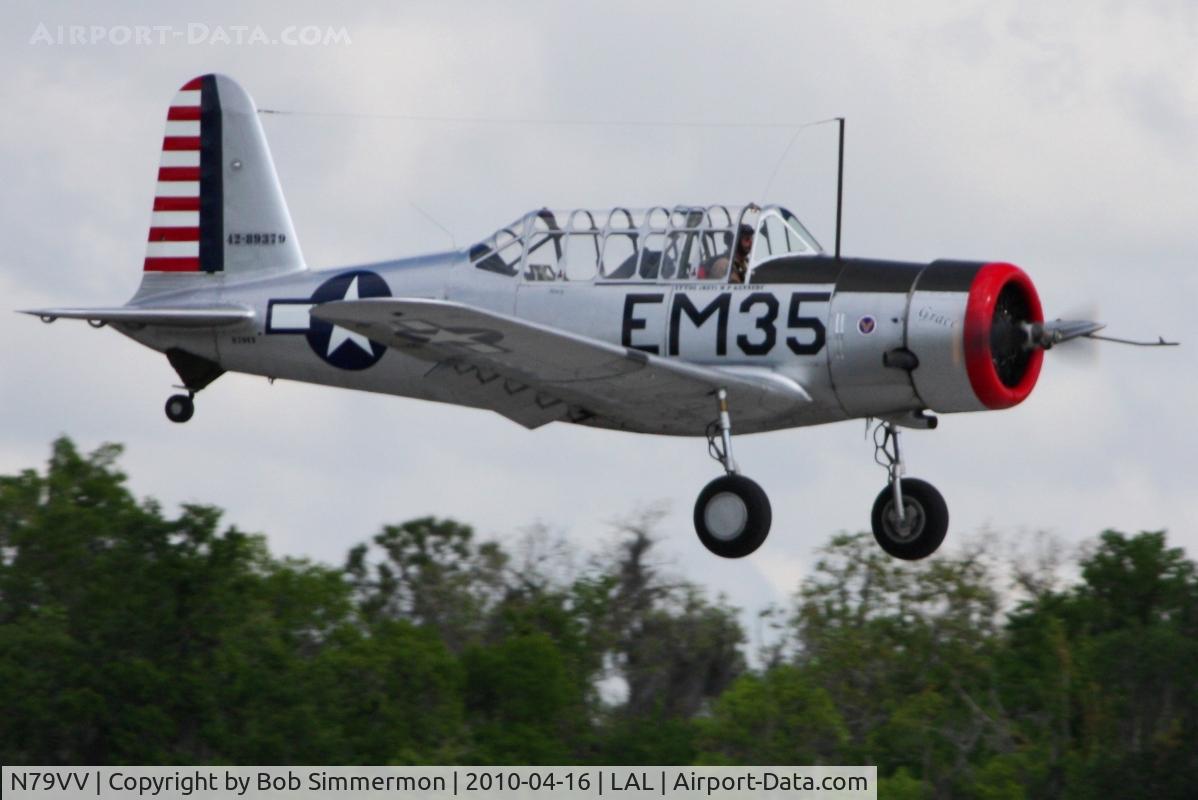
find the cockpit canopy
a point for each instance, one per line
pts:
(686, 243)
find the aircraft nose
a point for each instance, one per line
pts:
(1002, 302)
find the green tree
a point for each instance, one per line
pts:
(131, 635)
(781, 717)
(1100, 677)
(391, 694)
(524, 706)
(906, 652)
(674, 648)
(128, 636)
(434, 574)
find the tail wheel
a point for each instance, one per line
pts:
(179, 408)
(924, 523)
(732, 516)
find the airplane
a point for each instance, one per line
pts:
(666, 320)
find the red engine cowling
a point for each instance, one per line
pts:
(971, 345)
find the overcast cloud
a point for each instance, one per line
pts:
(1062, 138)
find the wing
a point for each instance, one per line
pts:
(535, 374)
(180, 317)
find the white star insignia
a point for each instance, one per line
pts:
(340, 335)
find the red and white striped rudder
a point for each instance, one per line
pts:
(218, 207)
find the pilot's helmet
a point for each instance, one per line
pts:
(744, 231)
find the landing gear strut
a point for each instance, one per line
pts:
(196, 372)
(180, 407)
(732, 514)
(909, 517)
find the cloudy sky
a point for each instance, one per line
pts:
(1063, 139)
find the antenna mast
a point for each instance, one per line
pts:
(839, 185)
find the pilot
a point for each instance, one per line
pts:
(717, 268)
(740, 259)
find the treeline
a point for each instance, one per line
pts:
(128, 635)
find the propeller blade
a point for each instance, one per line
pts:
(1046, 335)
(1160, 341)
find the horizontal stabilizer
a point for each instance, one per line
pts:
(176, 317)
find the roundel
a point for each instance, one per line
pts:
(337, 346)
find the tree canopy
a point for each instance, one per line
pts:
(130, 635)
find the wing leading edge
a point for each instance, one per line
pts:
(534, 374)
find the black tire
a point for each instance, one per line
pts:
(716, 511)
(179, 408)
(928, 515)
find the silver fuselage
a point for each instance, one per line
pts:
(762, 325)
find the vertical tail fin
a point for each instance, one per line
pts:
(218, 207)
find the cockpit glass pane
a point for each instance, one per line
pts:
(582, 255)
(655, 263)
(803, 241)
(779, 234)
(619, 256)
(544, 248)
(658, 218)
(501, 253)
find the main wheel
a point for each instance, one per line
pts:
(179, 408)
(924, 526)
(732, 516)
